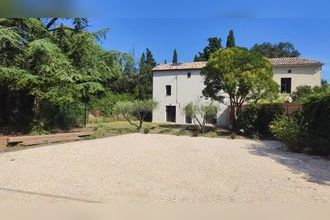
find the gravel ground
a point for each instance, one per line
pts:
(163, 168)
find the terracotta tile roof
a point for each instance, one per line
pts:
(180, 66)
(287, 61)
(293, 61)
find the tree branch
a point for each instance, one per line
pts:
(51, 23)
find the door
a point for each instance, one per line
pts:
(170, 113)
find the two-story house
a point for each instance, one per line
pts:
(176, 85)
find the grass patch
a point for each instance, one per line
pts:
(106, 129)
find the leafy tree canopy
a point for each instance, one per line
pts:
(243, 75)
(282, 49)
(214, 44)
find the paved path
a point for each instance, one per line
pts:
(163, 168)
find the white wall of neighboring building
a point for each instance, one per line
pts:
(184, 91)
(300, 75)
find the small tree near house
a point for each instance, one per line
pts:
(200, 113)
(242, 75)
(136, 110)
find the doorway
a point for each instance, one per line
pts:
(170, 114)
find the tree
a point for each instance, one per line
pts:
(175, 57)
(150, 58)
(200, 113)
(134, 110)
(282, 49)
(231, 39)
(236, 72)
(147, 63)
(46, 68)
(213, 45)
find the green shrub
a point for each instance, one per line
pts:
(137, 109)
(106, 102)
(288, 130)
(316, 120)
(195, 133)
(254, 120)
(146, 130)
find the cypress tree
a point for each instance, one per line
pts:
(175, 57)
(231, 39)
(150, 58)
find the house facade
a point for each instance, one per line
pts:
(176, 85)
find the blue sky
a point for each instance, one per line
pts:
(185, 25)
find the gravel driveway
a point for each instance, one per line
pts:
(163, 168)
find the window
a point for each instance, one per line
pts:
(168, 90)
(290, 71)
(188, 119)
(286, 85)
(188, 75)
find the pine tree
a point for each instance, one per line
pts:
(147, 62)
(150, 58)
(213, 45)
(142, 61)
(231, 39)
(175, 57)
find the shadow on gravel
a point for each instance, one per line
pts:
(315, 168)
(48, 195)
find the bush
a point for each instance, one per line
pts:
(105, 104)
(316, 120)
(254, 120)
(195, 133)
(307, 130)
(201, 114)
(288, 130)
(146, 130)
(134, 110)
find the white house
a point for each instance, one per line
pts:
(176, 85)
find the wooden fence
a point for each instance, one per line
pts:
(287, 107)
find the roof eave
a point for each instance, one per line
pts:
(297, 65)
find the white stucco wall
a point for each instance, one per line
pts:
(302, 75)
(184, 91)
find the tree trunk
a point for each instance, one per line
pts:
(86, 115)
(36, 108)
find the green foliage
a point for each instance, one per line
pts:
(288, 130)
(200, 113)
(316, 118)
(106, 102)
(304, 93)
(307, 130)
(231, 39)
(282, 49)
(214, 44)
(243, 75)
(146, 130)
(255, 119)
(175, 57)
(137, 109)
(144, 78)
(301, 93)
(48, 65)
